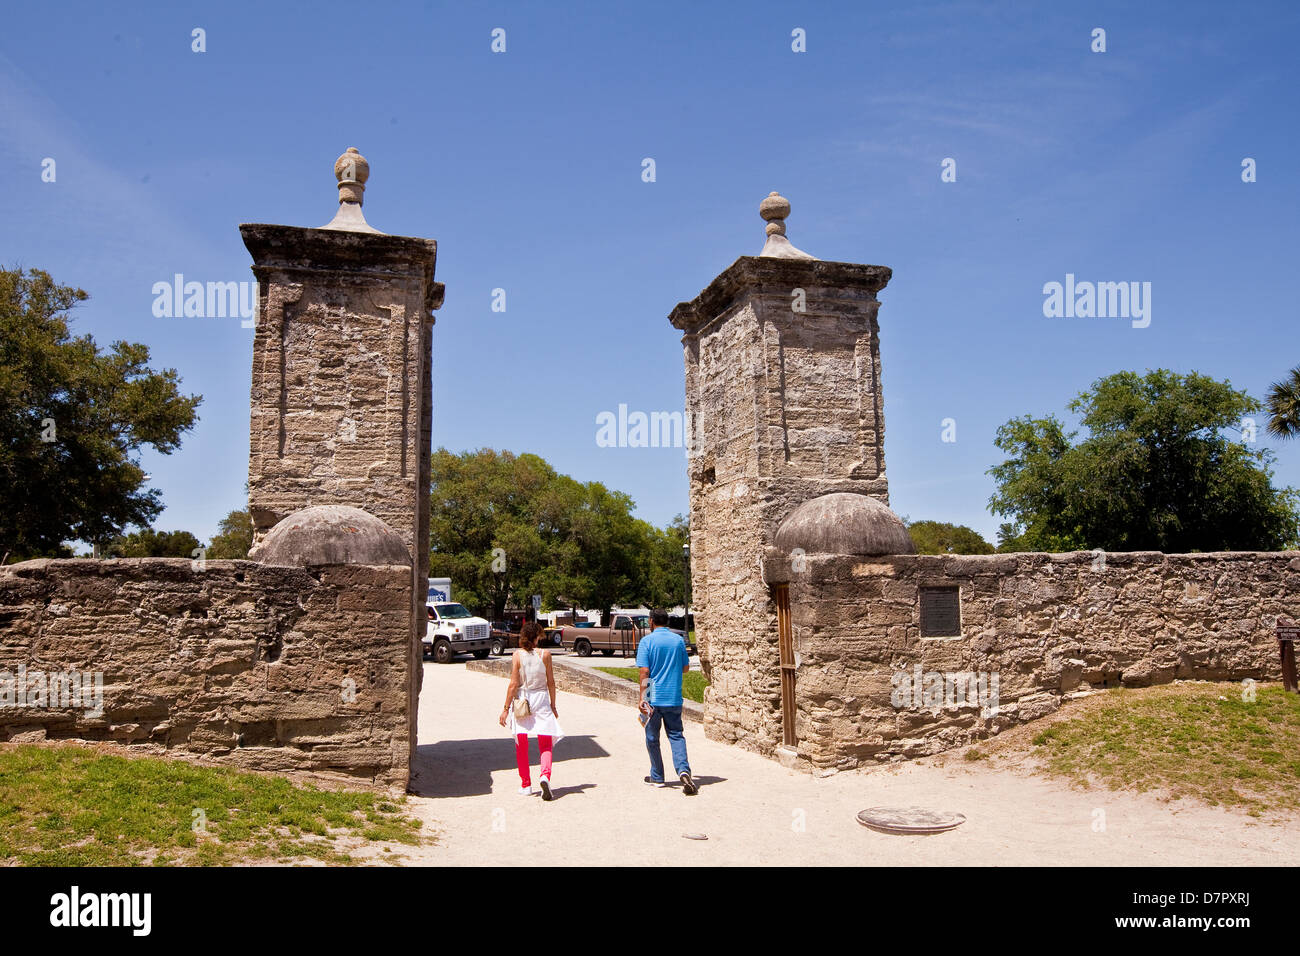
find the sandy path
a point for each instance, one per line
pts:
(751, 808)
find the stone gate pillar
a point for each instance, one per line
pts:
(341, 395)
(784, 403)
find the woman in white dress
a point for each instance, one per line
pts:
(532, 679)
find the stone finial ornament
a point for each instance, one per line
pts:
(351, 170)
(775, 208)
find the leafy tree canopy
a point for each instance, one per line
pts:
(72, 421)
(234, 537)
(1155, 472)
(504, 527)
(941, 537)
(148, 543)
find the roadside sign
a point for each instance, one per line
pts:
(537, 602)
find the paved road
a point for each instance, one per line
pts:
(756, 812)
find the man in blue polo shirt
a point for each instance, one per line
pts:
(662, 659)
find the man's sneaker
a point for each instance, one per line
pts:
(546, 789)
(688, 783)
(655, 783)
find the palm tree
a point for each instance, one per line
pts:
(1283, 404)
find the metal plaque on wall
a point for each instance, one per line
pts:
(940, 612)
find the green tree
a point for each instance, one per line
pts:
(234, 536)
(505, 526)
(72, 421)
(485, 530)
(940, 537)
(616, 549)
(1283, 405)
(148, 543)
(666, 582)
(1155, 472)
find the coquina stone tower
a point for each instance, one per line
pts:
(341, 394)
(783, 394)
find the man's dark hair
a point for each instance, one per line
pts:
(659, 617)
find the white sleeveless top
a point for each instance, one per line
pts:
(542, 720)
(532, 670)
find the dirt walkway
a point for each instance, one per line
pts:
(756, 812)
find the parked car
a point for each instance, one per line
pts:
(505, 634)
(454, 630)
(623, 634)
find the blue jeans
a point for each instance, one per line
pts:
(672, 721)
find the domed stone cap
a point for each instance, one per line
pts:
(844, 523)
(330, 534)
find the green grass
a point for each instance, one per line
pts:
(1188, 740)
(693, 682)
(74, 806)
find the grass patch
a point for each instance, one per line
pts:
(693, 682)
(1188, 740)
(75, 806)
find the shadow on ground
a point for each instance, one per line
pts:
(672, 783)
(573, 791)
(464, 768)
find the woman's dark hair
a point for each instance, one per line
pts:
(529, 635)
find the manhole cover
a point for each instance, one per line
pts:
(909, 819)
(696, 836)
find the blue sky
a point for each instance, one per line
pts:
(526, 167)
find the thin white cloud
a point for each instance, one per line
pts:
(105, 206)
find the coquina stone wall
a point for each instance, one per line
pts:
(784, 406)
(255, 667)
(341, 400)
(1049, 626)
(341, 397)
(789, 502)
(339, 404)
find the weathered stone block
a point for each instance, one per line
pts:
(162, 685)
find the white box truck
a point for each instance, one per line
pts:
(452, 629)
